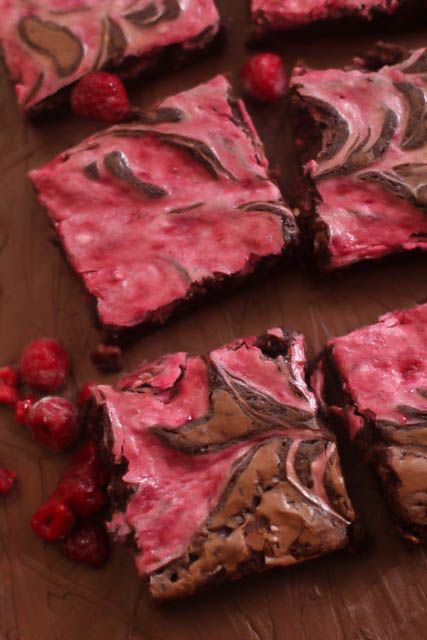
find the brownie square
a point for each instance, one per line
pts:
(50, 44)
(377, 376)
(220, 466)
(281, 15)
(155, 213)
(362, 136)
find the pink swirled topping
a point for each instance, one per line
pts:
(370, 174)
(189, 436)
(50, 45)
(151, 212)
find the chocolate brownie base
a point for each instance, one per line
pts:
(394, 445)
(252, 481)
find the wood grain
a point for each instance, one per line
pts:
(379, 594)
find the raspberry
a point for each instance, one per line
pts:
(101, 96)
(54, 422)
(7, 478)
(8, 395)
(85, 393)
(81, 485)
(22, 407)
(9, 376)
(45, 364)
(53, 520)
(264, 77)
(87, 543)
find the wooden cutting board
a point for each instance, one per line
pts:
(379, 594)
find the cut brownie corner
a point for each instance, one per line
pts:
(157, 213)
(221, 467)
(382, 54)
(375, 380)
(361, 140)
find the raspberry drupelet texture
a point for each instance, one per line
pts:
(85, 393)
(8, 395)
(54, 422)
(22, 408)
(264, 77)
(7, 480)
(87, 543)
(9, 376)
(101, 96)
(53, 520)
(45, 365)
(80, 494)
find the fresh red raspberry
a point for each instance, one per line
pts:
(101, 96)
(8, 395)
(7, 479)
(54, 422)
(87, 543)
(45, 364)
(264, 77)
(85, 393)
(9, 376)
(82, 485)
(22, 407)
(53, 520)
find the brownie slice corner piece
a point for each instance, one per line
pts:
(361, 137)
(155, 213)
(47, 49)
(377, 378)
(220, 465)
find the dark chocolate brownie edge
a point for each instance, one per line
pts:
(407, 15)
(308, 143)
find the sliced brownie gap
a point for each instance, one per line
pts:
(361, 136)
(376, 379)
(222, 465)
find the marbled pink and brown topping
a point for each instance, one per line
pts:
(149, 212)
(225, 463)
(384, 366)
(371, 172)
(50, 44)
(290, 14)
(382, 370)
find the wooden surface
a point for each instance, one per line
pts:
(379, 594)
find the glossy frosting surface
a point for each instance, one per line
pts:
(148, 212)
(51, 44)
